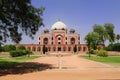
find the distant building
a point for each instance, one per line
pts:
(58, 39)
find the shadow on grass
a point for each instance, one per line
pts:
(21, 68)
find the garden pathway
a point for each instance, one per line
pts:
(71, 62)
(74, 68)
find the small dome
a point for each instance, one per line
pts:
(59, 25)
(72, 31)
(46, 31)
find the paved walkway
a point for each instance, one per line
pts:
(74, 68)
(70, 62)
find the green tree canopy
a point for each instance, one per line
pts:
(21, 48)
(18, 17)
(92, 40)
(118, 37)
(102, 33)
(110, 32)
(105, 32)
(10, 47)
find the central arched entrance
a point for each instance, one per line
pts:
(59, 39)
(59, 48)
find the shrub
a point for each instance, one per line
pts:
(28, 52)
(17, 53)
(92, 51)
(95, 51)
(102, 53)
(10, 47)
(21, 48)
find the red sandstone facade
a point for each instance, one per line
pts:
(58, 39)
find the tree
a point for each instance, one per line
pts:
(44, 49)
(113, 47)
(10, 47)
(110, 32)
(18, 17)
(75, 48)
(21, 48)
(118, 37)
(92, 40)
(102, 33)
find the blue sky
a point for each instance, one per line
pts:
(80, 15)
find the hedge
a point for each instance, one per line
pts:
(17, 53)
(92, 51)
(21, 48)
(102, 53)
(8, 48)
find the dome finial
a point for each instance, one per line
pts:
(59, 20)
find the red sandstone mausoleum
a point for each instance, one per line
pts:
(58, 39)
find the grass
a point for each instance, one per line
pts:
(111, 60)
(24, 58)
(7, 62)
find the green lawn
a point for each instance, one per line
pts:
(6, 61)
(111, 60)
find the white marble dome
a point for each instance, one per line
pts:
(59, 25)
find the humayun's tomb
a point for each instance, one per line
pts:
(58, 39)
